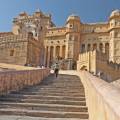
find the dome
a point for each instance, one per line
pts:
(73, 17)
(115, 13)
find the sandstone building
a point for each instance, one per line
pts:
(36, 40)
(24, 45)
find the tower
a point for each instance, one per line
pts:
(73, 37)
(114, 22)
(35, 24)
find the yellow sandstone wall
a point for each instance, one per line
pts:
(103, 99)
(15, 80)
(96, 62)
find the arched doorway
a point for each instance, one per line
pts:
(83, 68)
(63, 51)
(101, 47)
(94, 46)
(83, 48)
(107, 50)
(51, 54)
(88, 47)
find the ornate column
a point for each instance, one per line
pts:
(103, 49)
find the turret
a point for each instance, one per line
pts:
(73, 23)
(114, 19)
(114, 22)
(73, 37)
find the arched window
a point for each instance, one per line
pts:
(88, 47)
(11, 52)
(83, 48)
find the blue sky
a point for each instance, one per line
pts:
(88, 10)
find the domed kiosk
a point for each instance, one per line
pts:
(115, 13)
(73, 17)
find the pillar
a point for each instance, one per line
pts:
(48, 58)
(45, 56)
(103, 48)
(61, 55)
(54, 52)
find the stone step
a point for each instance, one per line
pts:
(80, 98)
(45, 101)
(62, 86)
(48, 82)
(51, 90)
(48, 107)
(45, 114)
(47, 89)
(52, 93)
(13, 117)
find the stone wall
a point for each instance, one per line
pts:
(87, 60)
(20, 49)
(97, 63)
(15, 80)
(13, 49)
(103, 99)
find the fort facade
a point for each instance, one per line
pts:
(36, 40)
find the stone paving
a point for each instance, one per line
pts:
(61, 98)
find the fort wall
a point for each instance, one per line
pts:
(17, 79)
(98, 64)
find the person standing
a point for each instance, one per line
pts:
(56, 69)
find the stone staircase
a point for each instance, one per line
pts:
(61, 98)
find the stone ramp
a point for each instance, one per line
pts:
(59, 98)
